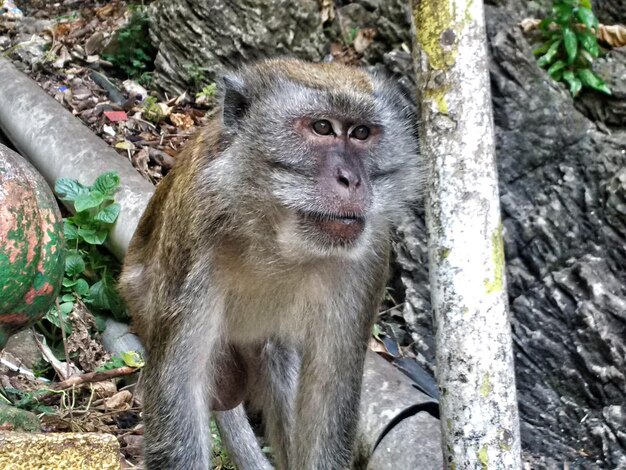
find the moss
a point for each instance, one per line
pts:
(433, 20)
(439, 97)
(485, 387)
(483, 457)
(497, 256)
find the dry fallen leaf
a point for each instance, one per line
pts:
(614, 35)
(182, 121)
(119, 401)
(363, 39)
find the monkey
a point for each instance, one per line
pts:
(257, 268)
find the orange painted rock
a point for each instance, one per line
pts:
(31, 245)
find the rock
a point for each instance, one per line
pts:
(390, 20)
(608, 109)
(610, 11)
(59, 450)
(23, 347)
(15, 419)
(196, 39)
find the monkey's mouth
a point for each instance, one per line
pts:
(339, 228)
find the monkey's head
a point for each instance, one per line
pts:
(320, 156)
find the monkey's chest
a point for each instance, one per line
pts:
(267, 308)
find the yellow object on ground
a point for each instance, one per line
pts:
(80, 451)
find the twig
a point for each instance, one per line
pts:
(49, 356)
(62, 323)
(95, 377)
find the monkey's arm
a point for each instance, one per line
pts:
(178, 380)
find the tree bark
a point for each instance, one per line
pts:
(474, 355)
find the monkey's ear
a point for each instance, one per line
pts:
(235, 102)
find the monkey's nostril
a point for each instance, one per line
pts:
(347, 179)
(343, 181)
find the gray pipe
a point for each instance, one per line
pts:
(59, 145)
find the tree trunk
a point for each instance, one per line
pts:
(474, 350)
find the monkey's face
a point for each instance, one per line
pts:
(328, 157)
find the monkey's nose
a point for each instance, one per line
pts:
(348, 179)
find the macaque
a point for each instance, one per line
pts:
(257, 269)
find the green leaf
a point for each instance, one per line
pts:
(571, 44)
(89, 200)
(590, 79)
(67, 298)
(98, 295)
(100, 322)
(80, 219)
(563, 13)
(74, 265)
(66, 307)
(557, 76)
(109, 214)
(586, 3)
(114, 363)
(107, 183)
(545, 23)
(68, 189)
(542, 49)
(132, 359)
(556, 67)
(67, 282)
(70, 231)
(81, 287)
(92, 236)
(575, 87)
(586, 17)
(548, 56)
(589, 43)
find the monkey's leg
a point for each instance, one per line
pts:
(240, 441)
(328, 398)
(177, 376)
(273, 391)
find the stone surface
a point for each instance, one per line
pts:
(16, 419)
(198, 37)
(610, 11)
(412, 443)
(23, 347)
(607, 109)
(58, 450)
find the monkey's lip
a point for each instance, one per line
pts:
(340, 228)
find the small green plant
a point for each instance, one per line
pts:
(145, 79)
(152, 111)
(570, 45)
(350, 36)
(131, 51)
(207, 93)
(129, 358)
(197, 74)
(29, 401)
(89, 272)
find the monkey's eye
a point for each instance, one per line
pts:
(360, 132)
(323, 127)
